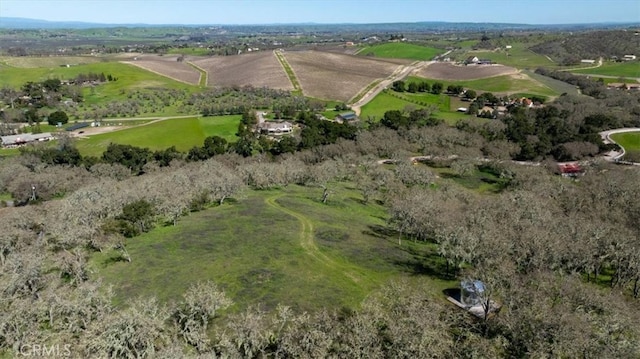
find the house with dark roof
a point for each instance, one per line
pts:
(346, 117)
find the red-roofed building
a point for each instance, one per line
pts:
(570, 169)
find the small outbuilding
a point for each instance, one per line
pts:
(346, 117)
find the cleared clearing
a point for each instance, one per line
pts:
(168, 66)
(256, 69)
(29, 62)
(449, 71)
(336, 76)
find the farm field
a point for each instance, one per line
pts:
(184, 133)
(31, 62)
(400, 50)
(168, 66)
(630, 141)
(388, 100)
(622, 69)
(519, 83)
(256, 69)
(448, 71)
(334, 76)
(519, 56)
(275, 246)
(129, 77)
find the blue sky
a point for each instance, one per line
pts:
(326, 11)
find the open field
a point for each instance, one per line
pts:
(32, 62)
(622, 69)
(519, 56)
(168, 66)
(519, 83)
(448, 71)
(388, 100)
(336, 76)
(630, 141)
(183, 133)
(256, 69)
(276, 246)
(400, 50)
(129, 77)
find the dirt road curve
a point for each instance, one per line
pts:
(399, 74)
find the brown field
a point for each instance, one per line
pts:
(168, 66)
(448, 71)
(48, 61)
(335, 76)
(258, 69)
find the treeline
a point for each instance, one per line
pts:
(571, 48)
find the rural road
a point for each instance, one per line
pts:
(399, 74)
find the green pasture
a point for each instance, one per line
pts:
(621, 69)
(389, 100)
(519, 56)
(129, 78)
(276, 246)
(630, 141)
(184, 133)
(401, 50)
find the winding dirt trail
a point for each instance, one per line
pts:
(309, 245)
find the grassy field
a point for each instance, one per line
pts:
(401, 50)
(183, 133)
(386, 101)
(129, 77)
(519, 56)
(622, 69)
(277, 246)
(630, 141)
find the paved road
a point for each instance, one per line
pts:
(606, 138)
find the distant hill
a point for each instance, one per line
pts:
(25, 23)
(570, 49)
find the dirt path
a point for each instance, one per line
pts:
(90, 131)
(399, 74)
(309, 245)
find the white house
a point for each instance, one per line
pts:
(588, 61)
(629, 57)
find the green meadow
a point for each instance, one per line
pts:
(630, 141)
(400, 50)
(622, 69)
(129, 78)
(519, 56)
(183, 133)
(274, 246)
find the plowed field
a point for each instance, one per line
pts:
(168, 66)
(448, 71)
(336, 76)
(257, 69)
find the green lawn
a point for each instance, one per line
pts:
(400, 50)
(622, 69)
(630, 141)
(276, 246)
(183, 133)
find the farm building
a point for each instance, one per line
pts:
(346, 117)
(18, 140)
(77, 126)
(471, 60)
(629, 57)
(587, 61)
(570, 169)
(273, 128)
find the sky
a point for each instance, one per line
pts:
(217, 12)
